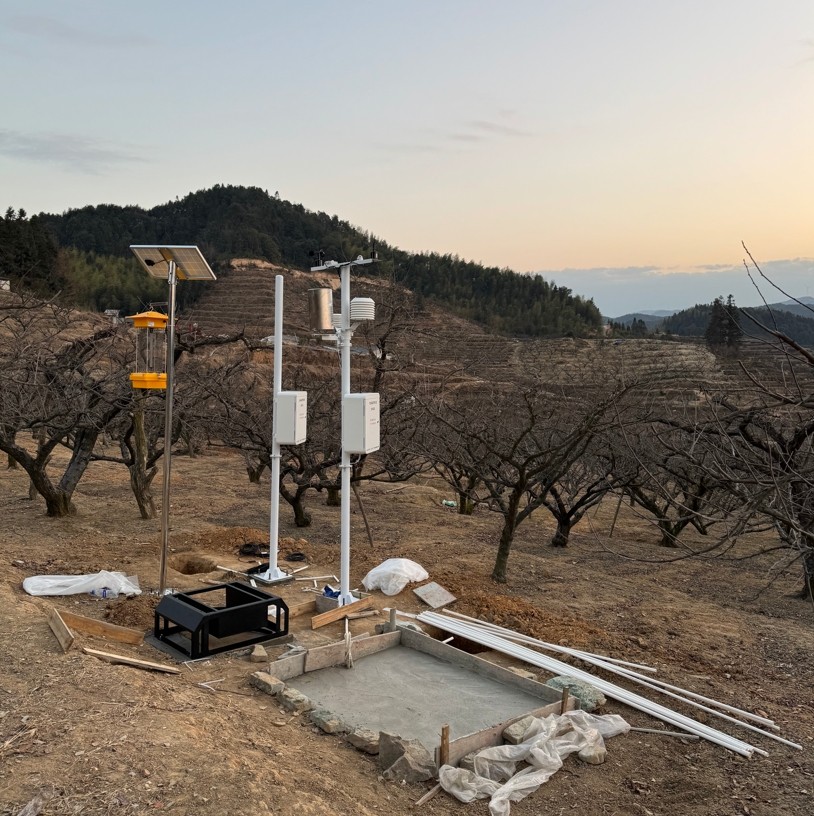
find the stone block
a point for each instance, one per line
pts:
(258, 654)
(405, 760)
(515, 733)
(294, 700)
(589, 697)
(266, 682)
(363, 739)
(327, 721)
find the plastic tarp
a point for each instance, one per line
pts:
(393, 575)
(546, 743)
(117, 582)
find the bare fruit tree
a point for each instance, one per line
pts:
(60, 381)
(516, 441)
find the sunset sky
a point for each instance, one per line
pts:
(625, 149)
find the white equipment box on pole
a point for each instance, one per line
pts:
(360, 423)
(292, 418)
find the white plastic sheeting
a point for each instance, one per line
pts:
(547, 742)
(117, 582)
(393, 575)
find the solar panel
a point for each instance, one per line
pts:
(190, 264)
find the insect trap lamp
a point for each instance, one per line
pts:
(171, 263)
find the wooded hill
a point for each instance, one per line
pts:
(693, 322)
(228, 222)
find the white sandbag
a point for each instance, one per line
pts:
(117, 582)
(393, 575)
(547, 742)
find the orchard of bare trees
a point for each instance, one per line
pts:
(723, 447)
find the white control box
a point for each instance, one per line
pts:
(360, 423)
(292, 417)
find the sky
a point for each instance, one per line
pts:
(627, 149)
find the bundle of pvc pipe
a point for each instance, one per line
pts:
(683, 695)
(500, 644)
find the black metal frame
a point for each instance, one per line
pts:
(246, 611)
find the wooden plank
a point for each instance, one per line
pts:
(427, 796)
(337, 614)
(443, 750)
(488, 737)
(374, 644)
(302, 609)
(131, 661)
(60, 629)
(285, 668)
(324, 657)
(91, 626)
(424, 643)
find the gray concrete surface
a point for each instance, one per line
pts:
(412, 694)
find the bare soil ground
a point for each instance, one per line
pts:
(89, 737)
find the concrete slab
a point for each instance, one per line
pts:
(413, 694)
(435, 595)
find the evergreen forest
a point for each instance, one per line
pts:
(84, 254)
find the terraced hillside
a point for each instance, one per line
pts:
(432, 343)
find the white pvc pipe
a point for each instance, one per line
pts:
(588, 657)
(615, 692)
(650, 682)
(274, 572)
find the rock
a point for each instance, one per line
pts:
(327, 721)
(405, 760)
(259, 654)
(266, 682)
(411, 768)
(363, 739)
(467, 763)
(589, 697)
(294, 700)
(516, 732)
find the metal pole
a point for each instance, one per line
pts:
(165, 506)
(274, 572)
(345, 596)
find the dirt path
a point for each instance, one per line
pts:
(94, 738)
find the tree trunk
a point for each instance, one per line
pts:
(58, 504)
(302, 518)
(465, 505)
(563, 533)
(255, 471)
(334, 496)
(506, 538)
(670, 531)
(11, 462)
(140, 478)
(807, 590)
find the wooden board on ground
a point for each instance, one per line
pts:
(60, 629)
(324, 657)
(435, 595)
(302, 609)
(337, 614)
(109, 631)
(130, 661)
